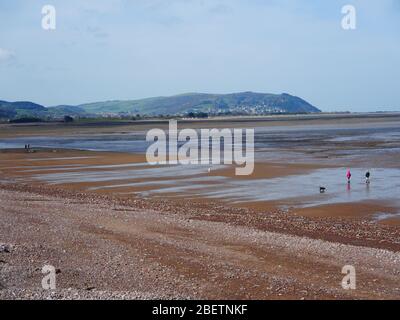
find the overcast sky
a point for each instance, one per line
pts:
(127, 49)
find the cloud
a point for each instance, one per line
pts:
(123, 49)
(6, 55)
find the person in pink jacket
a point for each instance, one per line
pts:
(348, 175)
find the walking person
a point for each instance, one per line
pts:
(348, 175)
(367, 177)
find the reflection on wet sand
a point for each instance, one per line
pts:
(297, 189)
(291, 166)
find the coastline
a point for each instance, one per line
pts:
(115, 243)
(88, 127)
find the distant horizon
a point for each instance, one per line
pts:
(99, 50)
(323, 110)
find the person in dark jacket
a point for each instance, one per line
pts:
(367, 177)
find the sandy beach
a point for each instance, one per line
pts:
(118, 248)
(117, 228)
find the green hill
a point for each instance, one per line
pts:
(19, 109)
(246, 102)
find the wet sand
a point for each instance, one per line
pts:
(126, 174)
(112, 127)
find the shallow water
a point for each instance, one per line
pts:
(304, 189)
(301, 190)
(375, 148)
(310, 143)
(114, 175)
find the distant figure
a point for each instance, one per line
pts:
(322, 189)
(367, 177)
(209, 170)
(348, 175)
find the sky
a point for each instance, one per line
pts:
(131, 49)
